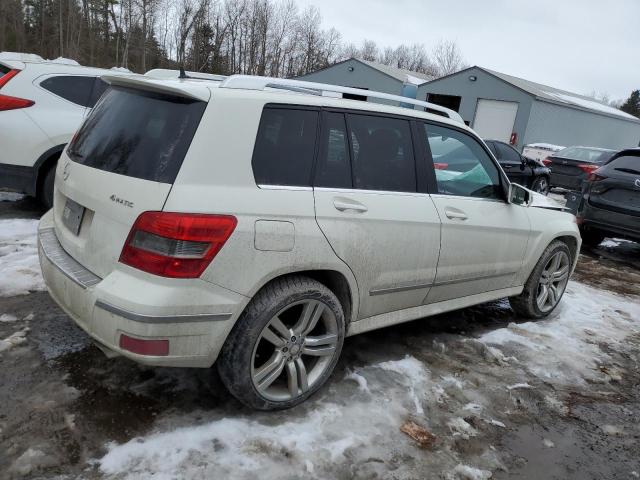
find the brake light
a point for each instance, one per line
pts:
(176, 245)
(440, 165)
(595, 177)
(588, 168)
(547, 161)
(12, 103)
(141, 346)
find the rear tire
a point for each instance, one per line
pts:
(45, 196)
(546, 284)
(285, 344)
(591, 238)
(541, 185)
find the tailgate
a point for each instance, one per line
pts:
(122, 162)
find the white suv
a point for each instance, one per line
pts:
(257, 222)
(42, 103)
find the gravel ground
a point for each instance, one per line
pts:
(478, 393)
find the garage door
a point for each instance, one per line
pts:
(494, 119)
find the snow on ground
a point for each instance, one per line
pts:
(358, 429)
(10, 196)
(19, 257)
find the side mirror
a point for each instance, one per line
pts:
(518, 195)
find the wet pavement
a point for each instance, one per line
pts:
(64, 406)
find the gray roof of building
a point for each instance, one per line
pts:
(397, 73)
(556, 95)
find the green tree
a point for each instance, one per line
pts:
(632, 104)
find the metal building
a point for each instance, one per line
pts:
(499, 106)
(507, 108)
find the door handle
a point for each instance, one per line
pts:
(343, 204)
(455, 214)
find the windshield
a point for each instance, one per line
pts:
(138, 134)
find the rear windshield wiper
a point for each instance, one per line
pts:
(628, 170)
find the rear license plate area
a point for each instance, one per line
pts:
(72, 216)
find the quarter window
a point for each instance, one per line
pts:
(74, 88)
(285, 146)
(334, 167)
(462, 166)
(507, 153)
(381, 153)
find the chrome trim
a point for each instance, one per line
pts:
(463, 197)
(404, 288)
(284, 187)
(138, 317)
(52, 249)
(473, 279)
(380, 192)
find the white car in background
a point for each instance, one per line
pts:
(42, 103)
(255, 222)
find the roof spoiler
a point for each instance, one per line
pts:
(149, 84)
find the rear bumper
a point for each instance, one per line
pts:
(566, 181)
(126, 302)
(17, 178)
(607, 221)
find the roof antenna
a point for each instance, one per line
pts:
(182, 73)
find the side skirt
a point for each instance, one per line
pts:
(414, 313)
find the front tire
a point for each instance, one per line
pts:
(546, 284)
(285, 345)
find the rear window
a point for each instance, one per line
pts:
(285, 147)
(76, 89)
(626, 164)
(4, 70)
(585, 154)
(138, 134)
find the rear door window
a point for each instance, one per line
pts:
(506, 153)
(381, 153)
(138, 134)
(626, 164)
(285, 146)
(74, 88)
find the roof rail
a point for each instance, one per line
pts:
(250, 82)
(166, 73)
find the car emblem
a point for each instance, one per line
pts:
(66, 171)
(637, 182)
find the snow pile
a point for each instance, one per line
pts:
(19, 257)
(590, 104)
(14, 339)
(565, 349)
(327, 434)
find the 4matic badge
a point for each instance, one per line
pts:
(121, 201)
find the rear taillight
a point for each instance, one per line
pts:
(176, 245)
(588, 168)
(11, 103)
(440, 165)
(547, 161)
(595, 177)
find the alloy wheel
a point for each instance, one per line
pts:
(294, 350)
(542, 186)
(553, 281)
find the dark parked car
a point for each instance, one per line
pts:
(527, 172)
(610, 204)
(571, 166)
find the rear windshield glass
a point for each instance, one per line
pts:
(585, 154)
(4, 70)
(138, 134)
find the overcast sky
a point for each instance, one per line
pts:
(576, 45)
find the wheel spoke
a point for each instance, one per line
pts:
(311, 313)
(542, 296)
(292, 379)
(280, 327)
(553, 295)
(561, 274)
(320, 346)
(272, 338)
(302, 375)
(555, 263)
(267, 373)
